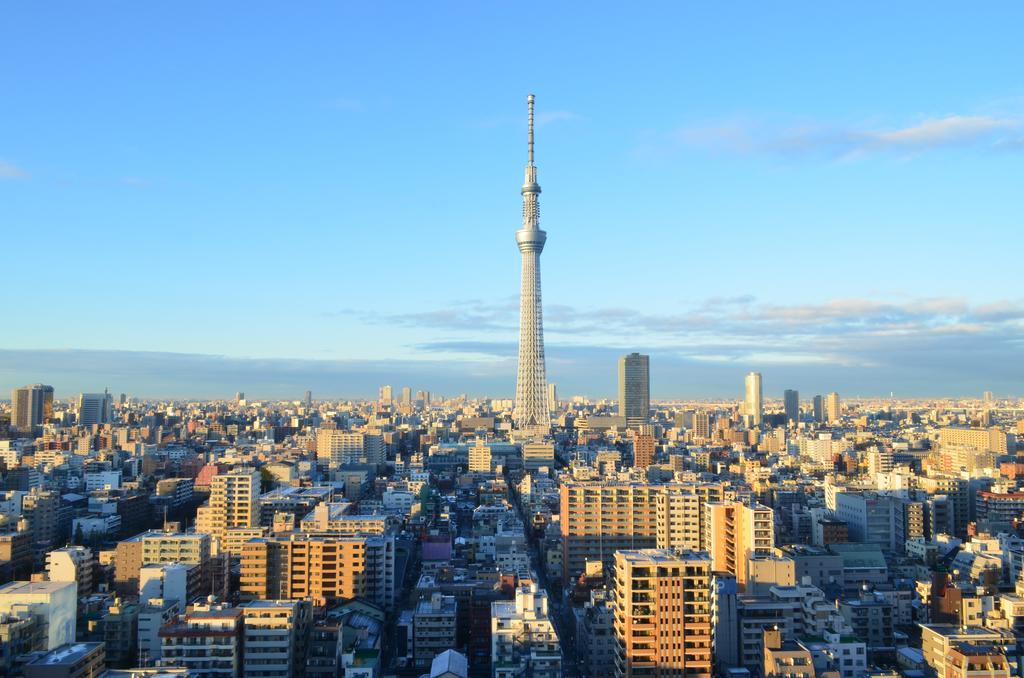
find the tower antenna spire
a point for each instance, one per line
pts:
(529, 135)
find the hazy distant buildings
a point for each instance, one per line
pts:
(31, 406)
(387, 396)
(635, 389)
(819, 408)
(833, 410)
(94, 408)
(753, 399)
(791, 405)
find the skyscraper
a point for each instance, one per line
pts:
(94, 408)
(791, 404)
(819, 408)
(386, 395)
(32, 406)
(553, 397)
(531, 406)
(832, 407)
(753, 401)
(635, 388)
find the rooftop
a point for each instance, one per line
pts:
(66, 655)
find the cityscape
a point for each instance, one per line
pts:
(815, 490)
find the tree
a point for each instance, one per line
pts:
(267, 480)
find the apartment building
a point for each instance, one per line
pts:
(733, 533)
(662, 613)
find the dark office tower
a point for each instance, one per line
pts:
(309, 400)
(819, 408)
(635, 389)
(791, 403)
(32, 405)
(239, 397)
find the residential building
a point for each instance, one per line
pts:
(433, 624)
(52, 604)
(662, 613)
(523, 638)
(275, 638)
(206, 640)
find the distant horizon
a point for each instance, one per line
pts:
(282, 380)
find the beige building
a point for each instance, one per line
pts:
(157, 548)
(598, 518)
(480, 457)
(322, 568)
(833, 407)
(993, 440)
(72, 563)
(234, 502)
(733, 533)
(337, 448)
(939, 641)
(662, 614)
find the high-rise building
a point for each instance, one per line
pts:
(833, 410)
(552, 397)
(598, 518)
(701, 424)
(819, 408)
(386, 395)
(94, 408)
(233, 503)
(31, 406)
(406, 395)
(791, 405)
(734, 532)
(663, 613)
(325, 569)
(523, 638)
(643, 450)
(40, 510)
(308, 400)
(635, 389)
(531, 412)
(753, 400)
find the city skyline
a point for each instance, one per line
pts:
(740, 174)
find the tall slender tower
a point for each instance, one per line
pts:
(531, 381)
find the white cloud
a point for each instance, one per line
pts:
(11, 171)
(950, 131)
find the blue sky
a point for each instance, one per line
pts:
(325, 194)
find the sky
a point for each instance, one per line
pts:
(200, 198)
